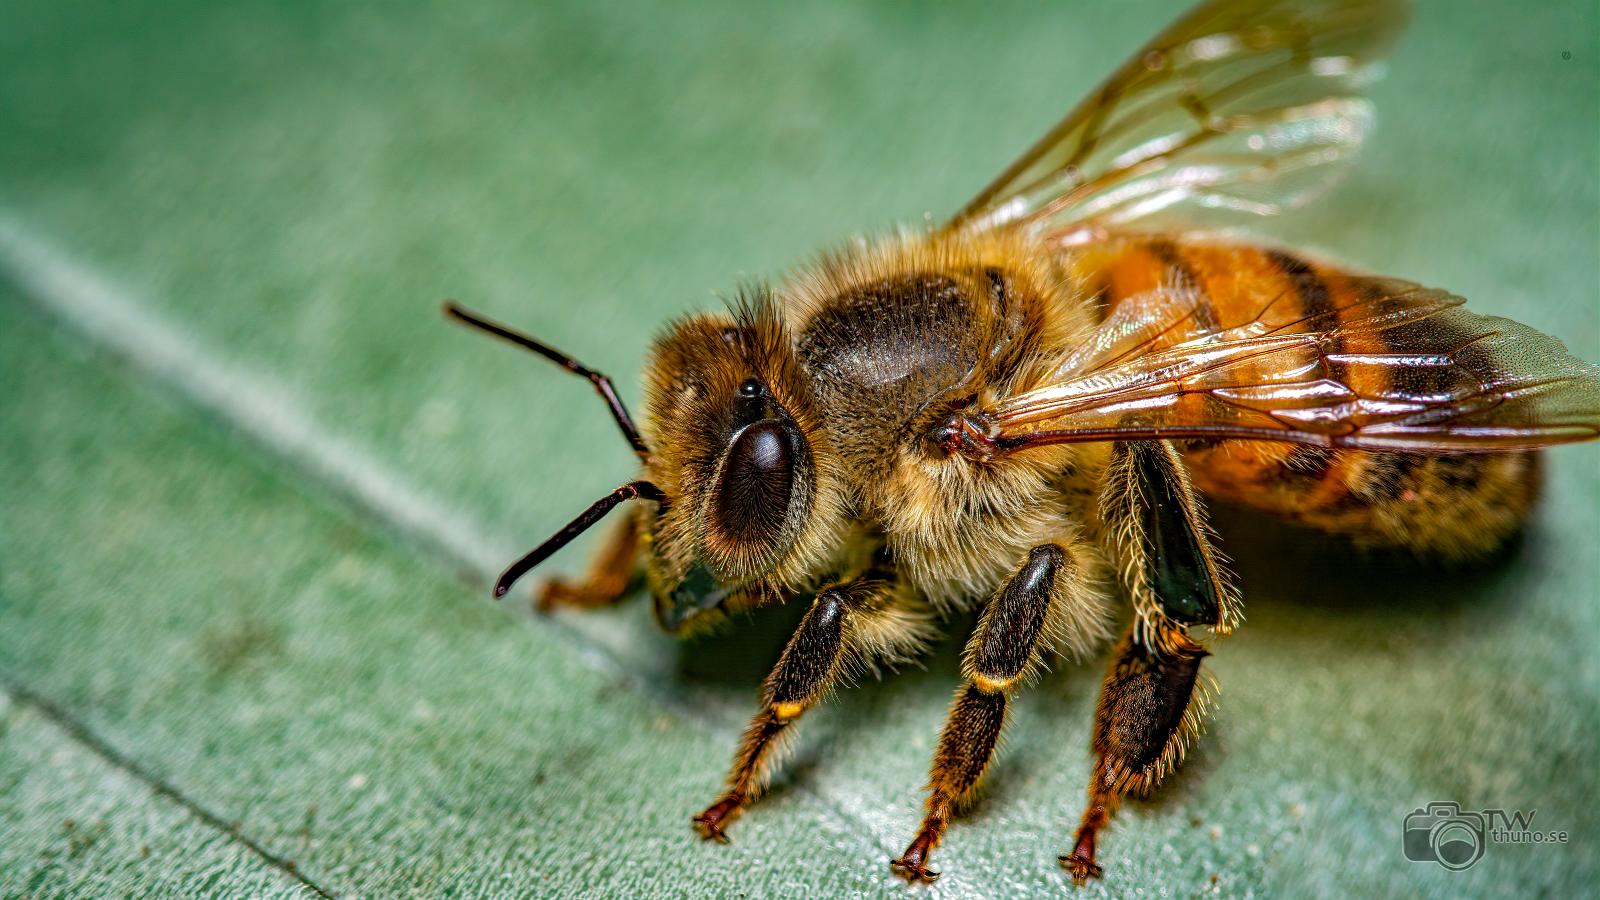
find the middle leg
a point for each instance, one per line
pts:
(1052, 597)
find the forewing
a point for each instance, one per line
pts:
(1392, 366)
(1242, 106)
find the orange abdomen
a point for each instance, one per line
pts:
(1454, 505)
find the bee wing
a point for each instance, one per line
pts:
(1391, 366)
(1241, 106)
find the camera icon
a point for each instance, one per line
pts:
(1445, 834)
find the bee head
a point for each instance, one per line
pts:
(740, 505)
(749, 506)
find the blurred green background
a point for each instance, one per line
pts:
(254, 488)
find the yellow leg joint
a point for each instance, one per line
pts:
(992, 685)
(787, 711)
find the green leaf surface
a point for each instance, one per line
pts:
(348, 706)
(247, 582)
(79, 825)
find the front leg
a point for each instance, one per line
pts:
(1050, 598)
(848, 627)
(609, 576)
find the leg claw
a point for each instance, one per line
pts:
(913, 864)
(710, 823)
(914, 870)
(1081, 868)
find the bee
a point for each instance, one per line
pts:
(1022, 411)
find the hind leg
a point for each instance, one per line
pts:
(1153, 700)
(1150, 712)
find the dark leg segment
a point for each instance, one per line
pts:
(1010, 629)
(1158, 535)
(970, 736)
(844, 627)
(1152, 702)
(802, 675)
(1005, 646)
(1150, 711)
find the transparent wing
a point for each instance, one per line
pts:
(1394, 366)
(1241, 107)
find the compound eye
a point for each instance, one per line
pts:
(752, 499)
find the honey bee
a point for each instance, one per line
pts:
(1019, 412)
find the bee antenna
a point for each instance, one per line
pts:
(596, 512)
(601, 383)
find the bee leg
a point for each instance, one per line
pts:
(1150, 712)
(610, 573)
(847, 626)
(1157, 530)
(1019, 624)
(970, 736)
(1152, 701)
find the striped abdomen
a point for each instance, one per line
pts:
(1449, 504)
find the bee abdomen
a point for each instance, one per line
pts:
(1441, 505)
(1451, 505)
(1457, 505)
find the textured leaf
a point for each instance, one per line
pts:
(246, 580)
